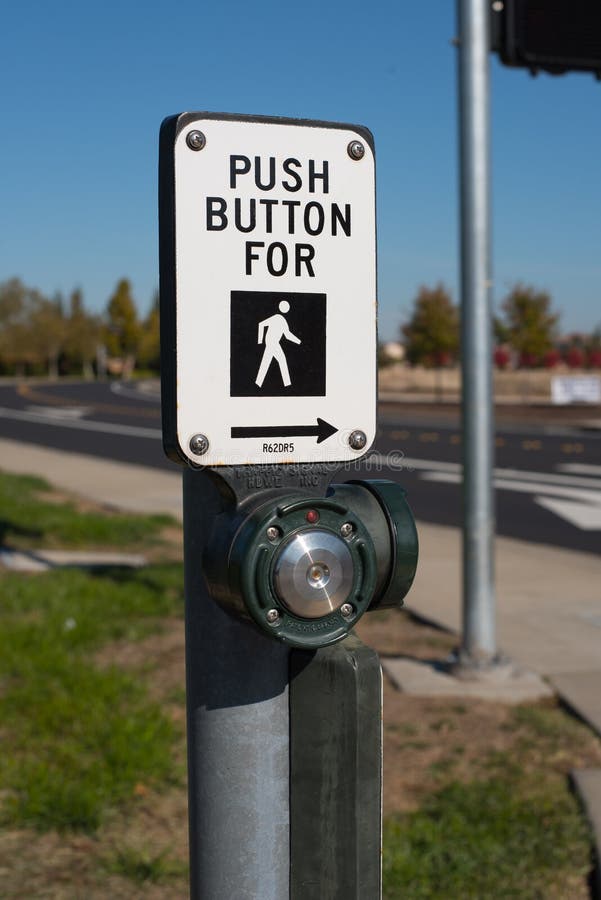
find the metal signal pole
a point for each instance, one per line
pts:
(478, 644)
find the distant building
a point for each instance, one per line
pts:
(574, 339)
(392, 352)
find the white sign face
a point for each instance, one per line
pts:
(576, 389)
(275, 256)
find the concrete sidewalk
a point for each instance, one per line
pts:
(548, 609)
(113, 484)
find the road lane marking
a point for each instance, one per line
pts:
(549, 478)
(525, 487)
(400, 435)
(27, 392)
(81, 424)
(572, 448)
(399, 462)
(585, 515)
(60, 412)
(578, 506)
(579, 469)
(125, 390)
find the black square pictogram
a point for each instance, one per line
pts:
(277, 344)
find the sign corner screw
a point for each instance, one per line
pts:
(356, 150)
(357, 439)
(199, 444)
(195, 140)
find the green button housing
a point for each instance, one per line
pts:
(371, 518)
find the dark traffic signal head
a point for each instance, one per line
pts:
(554, 35)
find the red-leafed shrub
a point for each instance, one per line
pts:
(528, 360)
(501, 358)
(575, 358)
(442, 358)
(594, 359)
(551, 358)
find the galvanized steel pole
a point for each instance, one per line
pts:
(478, 644)
(284, 748)
(238, 734)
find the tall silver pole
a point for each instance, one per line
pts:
(478, 644)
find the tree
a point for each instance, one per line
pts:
(47, 331)
(500, 331)
(432, 333)
(122, 332)
(531, 326)
(150, 352)
(19, 305)
(82, 335)
(12, 311)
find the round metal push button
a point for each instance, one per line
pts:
(313, 573)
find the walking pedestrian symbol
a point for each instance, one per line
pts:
(277, 344)
(273, 330)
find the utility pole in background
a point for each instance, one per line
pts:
(554, 37)
(479, 639)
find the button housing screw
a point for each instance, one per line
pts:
(346, 610)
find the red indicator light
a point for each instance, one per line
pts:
(312, 516)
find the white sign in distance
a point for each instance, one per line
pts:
(575, 389)
(268, 290)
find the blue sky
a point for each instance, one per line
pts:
(86, 85)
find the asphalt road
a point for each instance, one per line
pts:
(548, 477)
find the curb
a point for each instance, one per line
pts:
(587, 786)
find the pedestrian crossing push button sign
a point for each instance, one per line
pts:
(278, 344)
(268, 290)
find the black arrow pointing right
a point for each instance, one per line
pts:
(323, 430)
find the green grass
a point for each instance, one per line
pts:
(499, 838)
(81, 610)
(77, 739)
(27, 520)
(76, 742)
(514, 830)
(142, 867)
(546, 724)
